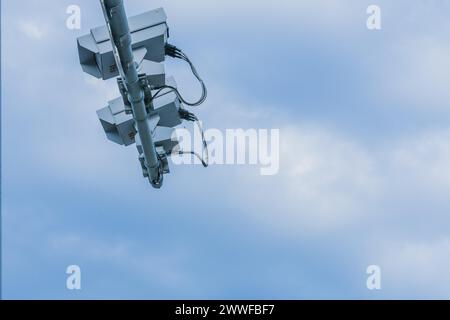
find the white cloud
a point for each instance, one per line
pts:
(419, 73)
(329, 182)
(149, 263)
(424, 158)
(32, 30)
(107, 89)
(416, 269)
(326, 182)
(318, 15)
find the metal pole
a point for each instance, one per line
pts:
(117, 23)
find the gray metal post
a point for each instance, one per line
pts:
(117, 23)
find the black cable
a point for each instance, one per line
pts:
(205, 153)
(157, 94)
(189, 116)
(174, 52)
(204, 163)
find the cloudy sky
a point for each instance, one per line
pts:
(364, 177)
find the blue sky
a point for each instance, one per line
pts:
(365, 157)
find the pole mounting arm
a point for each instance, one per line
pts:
(119, 31)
